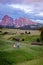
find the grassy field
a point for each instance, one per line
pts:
(27, 54)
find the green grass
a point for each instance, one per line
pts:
(27, 38)
(33, 62)
(27, 54)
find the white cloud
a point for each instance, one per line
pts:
(40, 14)
(33, 9)
(25, 8)
(39, 21)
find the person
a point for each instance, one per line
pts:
(14, 45)
(18, 45)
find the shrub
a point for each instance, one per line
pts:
(28, 32)
(38, 40)
(25, 32)
(22, 39)
(41, 35)
(5, 33)
(0, 31)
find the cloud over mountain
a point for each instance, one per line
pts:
(33, 11)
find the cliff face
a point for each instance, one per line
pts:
(8, 21)
(23, 21)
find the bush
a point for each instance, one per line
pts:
(22, 39)
(25, 32)
(41, 35)
(38, 40)
(5, 33)
(0, 31)
(28, 32)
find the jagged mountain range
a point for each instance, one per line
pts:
(8, 21)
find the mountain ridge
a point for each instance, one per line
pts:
(8, 21)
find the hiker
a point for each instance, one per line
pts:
(14, 45)
(18, 45)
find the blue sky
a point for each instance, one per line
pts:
(32, 9)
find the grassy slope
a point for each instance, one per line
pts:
(25, 55)
(33, 62)
(11, 56)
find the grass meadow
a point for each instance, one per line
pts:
(27, 54)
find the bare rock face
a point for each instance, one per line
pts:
(19, 22)
(23, 21)
(7, 21)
